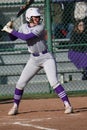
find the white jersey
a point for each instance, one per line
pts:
(38, 44)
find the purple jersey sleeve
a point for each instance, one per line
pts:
(22, 35)
(12, 37)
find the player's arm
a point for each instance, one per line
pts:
(35, 33)
(12, 37)
(23, 36)
(15, 34)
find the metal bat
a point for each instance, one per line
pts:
(23, 8)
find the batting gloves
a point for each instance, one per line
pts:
(7, 29)
(10, 24)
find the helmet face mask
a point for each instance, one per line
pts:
(32, 12)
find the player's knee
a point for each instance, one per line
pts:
(20, 85)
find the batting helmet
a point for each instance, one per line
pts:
(32, 12)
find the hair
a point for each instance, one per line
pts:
(76, 25)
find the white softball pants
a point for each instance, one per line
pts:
(45, 61)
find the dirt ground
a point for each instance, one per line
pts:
(45, 114)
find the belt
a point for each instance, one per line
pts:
(38, 54)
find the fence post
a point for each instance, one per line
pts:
(48, 24)
(49, 29)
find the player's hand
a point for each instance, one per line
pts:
(7, 29)
(10, 24)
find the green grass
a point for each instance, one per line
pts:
(45, 95)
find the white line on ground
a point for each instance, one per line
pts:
(34, 126)
(26, 122)
(7, 120)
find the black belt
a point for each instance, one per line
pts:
(38, 54)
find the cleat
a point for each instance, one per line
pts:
(68, 110)
(13, 111)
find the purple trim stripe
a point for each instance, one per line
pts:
(22, 35)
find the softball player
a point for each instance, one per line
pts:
(33, 33)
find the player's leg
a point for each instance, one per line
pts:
(50, 69)
(29, 71)
(60, 91)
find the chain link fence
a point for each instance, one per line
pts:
(65, 16)
(14, 55)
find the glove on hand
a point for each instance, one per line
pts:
(6, 28)
(10, 24)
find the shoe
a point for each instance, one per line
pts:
(13, 111)
(68, 110)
